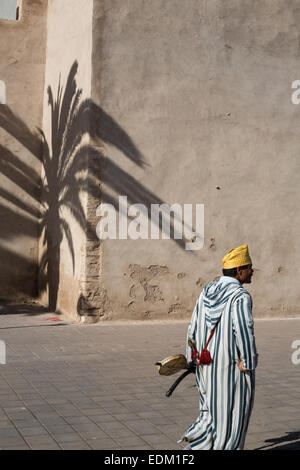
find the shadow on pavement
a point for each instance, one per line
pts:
(14, 309)
(41, 316)
(292, 440)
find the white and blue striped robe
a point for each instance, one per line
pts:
(226, 393)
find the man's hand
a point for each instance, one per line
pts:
(241, 366)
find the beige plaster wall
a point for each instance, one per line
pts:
(22, 65)
(203, 91)
(191, 103)
(69, 41)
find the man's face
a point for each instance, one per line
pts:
(245, 274)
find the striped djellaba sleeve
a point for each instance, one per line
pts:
(243, 327)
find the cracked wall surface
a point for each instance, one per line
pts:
(204, 91)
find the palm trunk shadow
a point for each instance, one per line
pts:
(53, 275)
(65, 158)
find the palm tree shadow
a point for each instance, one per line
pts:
(65, 159)
(71, 166)
(292, 439)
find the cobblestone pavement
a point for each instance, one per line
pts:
(71, 386)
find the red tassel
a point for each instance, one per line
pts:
(205, 357)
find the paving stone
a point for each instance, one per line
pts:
(92, 412)
(57, 401)
(103, 444)
(130, 440)
(70, 437)
(11, 406)
(158, 421)
(139, 447)
(34, 431)
(11, 441)
(27, 423)
(86, 427)
(45, 446)
(78, 445)
(63, 378)
(141, 427)
(81, 419)
(166, 446)
(168, 429)
(92, 435)
(40, 440)
(60, 429)
(8, 432)
(119, 432)
(51, 419)
(107, 418)
(5, 424)
(157, 439)
(18, 447)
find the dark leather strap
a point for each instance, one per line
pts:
(210, 336)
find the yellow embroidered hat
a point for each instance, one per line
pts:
(237, 257)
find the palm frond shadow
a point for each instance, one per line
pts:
(71, 166)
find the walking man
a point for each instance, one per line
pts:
(226, 385)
